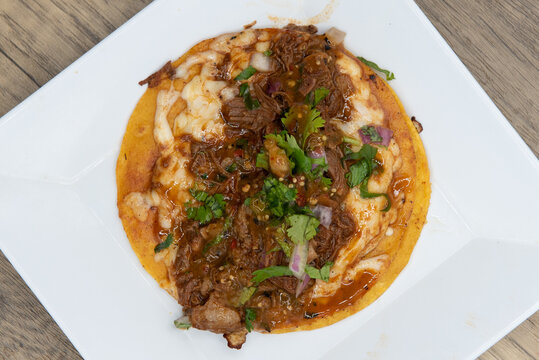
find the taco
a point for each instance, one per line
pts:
(270, 180)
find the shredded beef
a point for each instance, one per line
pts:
(167, 71)
(337, 171)
(215, 316)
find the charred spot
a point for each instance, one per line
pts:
(309, 315)
(372, 77)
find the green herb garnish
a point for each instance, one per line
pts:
(232, 167)
(351, 141)
(322, 274)
(268, 52)
(250, 316)
(371, 132)
(262, 160)
(313, 122)
(249, 102)
(314, 97)
(364, 192)
(301, 228)
(270, 271)
(374, 66)
(165, 244)
(213, 206)
(246, 73)
(278, 197)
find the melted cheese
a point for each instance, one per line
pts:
(161, 131)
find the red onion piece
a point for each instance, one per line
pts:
(317, 153)
(274, 85)
(302, 284)
(298, 259)
(385, 133)
(323, 214)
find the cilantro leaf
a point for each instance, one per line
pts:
(270, 271)
(326, 181)
(246, 73)
(277, 196)
(281, 240)
(319, 95)
(364, 192)
(302, 228)
(213, 206)
(246, 294)
(267, 52)
(350, 140)
(371, 133)
(322, 274)
(262, 160)
(165, 244)
(249, 102)
(374, 66)
(312, 124)
(358, 172)
(250, 316)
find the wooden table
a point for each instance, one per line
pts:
(496, 40)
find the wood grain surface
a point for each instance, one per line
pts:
(496, 40)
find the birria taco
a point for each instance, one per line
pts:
(271, 181)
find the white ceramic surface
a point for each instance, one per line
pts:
(473, 276)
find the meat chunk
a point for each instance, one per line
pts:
(337, 171)
(287, 283)
(167, 71)
(216, 317)
(236, 339)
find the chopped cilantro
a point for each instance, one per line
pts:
(278, 197)
(270, 271)
(232, 167)
(281, 240)
(312, 124)
(364, 192)
(249, 102)
(247, 201)
(322, 274)
(302, 228)
(165, 244)
(326, 181)
(242, 142)
(371, 133)
(358, 172)
(374, 66)
(268, 52)
(212, 208)
(262, 160)
(314, 97)
(274, 249)
(250, 316)
(246, 73)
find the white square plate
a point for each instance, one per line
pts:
(473, 276)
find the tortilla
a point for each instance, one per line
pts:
(140, 166)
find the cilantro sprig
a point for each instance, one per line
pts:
(314, 97)
(165, 244)
(322, 273)
(301, 227)
(249, 102)
(250, 316)
(213, 206)
(219, 238)
(278, 197)
(270, 271)
(389, 75)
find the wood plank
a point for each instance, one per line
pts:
(496, 40)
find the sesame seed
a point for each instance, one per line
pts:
(266, 217)
(290, 186)
(302, 178)
(324, 137)
(221, 268)
(313, 201)
(291, 83)
(325, 188)
(281, 179)
(294, 180)
(246, 188)
(302, 183)
(333, 190)
(331, 194)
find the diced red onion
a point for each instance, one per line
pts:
(302, 284)
(273, 86)
(324, 214)
(385, 133)
(298, 259)
(335, 36)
